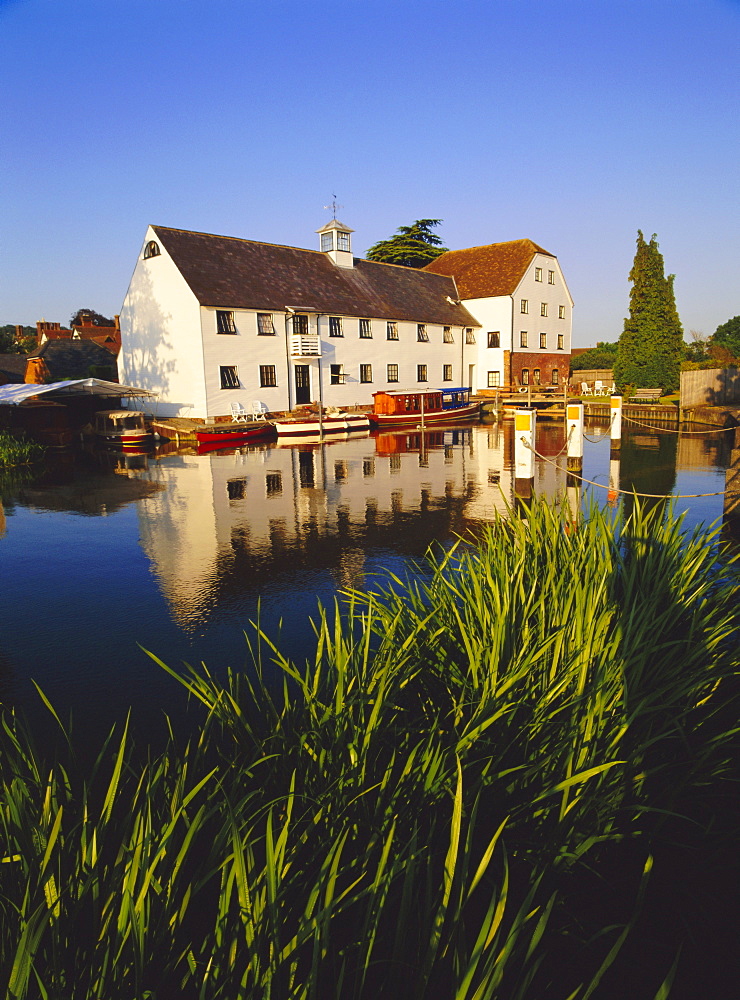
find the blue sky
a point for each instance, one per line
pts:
(572, 122)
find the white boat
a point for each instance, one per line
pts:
(331, 422)
(122, 428)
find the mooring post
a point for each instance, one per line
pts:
(574, 432)
(616, 424)
(524, 443)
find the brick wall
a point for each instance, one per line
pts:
(546, 362)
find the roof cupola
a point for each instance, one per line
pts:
(336, 242)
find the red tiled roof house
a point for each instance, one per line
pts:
(518, 293)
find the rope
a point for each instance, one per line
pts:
(670, 430)
(631, 493)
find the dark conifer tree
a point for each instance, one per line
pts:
(412, 246)
(651, 345)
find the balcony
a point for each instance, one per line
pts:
(305, 345)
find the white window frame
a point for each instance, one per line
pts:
(265, 320)
(229, 376)
(225, 321)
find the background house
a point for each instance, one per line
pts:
(518, 293)
(57, 360)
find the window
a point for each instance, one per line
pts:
(393, 373)
(265, 326)
(343, 241)
(555, 376)
(524, 307)
(391, 330)
(421, 373)
(366, 329)
(336, 375)
(538, 274)
(327, 242)
(469, 336)
(561, 312)
(543, 308)
(446, 373)
(494, 339)
(368, 466)
(366, 373)
(300, 325)
(340, 470)
(525, 376)
(560, 341)
(236, 489)
(523, 338)
(551, 277)
(229, 377)
(536, 376)
(335, 326)
(447, 337)
(151, 250)
(273, 484)
(268, 376)
(225, 321)
(543, 340)
(421, 332)
(494, 379)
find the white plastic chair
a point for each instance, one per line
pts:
(599, 389)
(259, 410)
(585, 391)
(238, 412)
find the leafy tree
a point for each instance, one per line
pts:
(651, 345)
(727, 335)
(8, 343)
(412, 246)
(601, 356)
(97, 319)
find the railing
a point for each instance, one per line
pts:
(305, 345)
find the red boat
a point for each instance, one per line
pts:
(224, 435)
(411, 407)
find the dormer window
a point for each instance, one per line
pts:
(151, 250)
(343, 241)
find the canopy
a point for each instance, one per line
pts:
(14, 394)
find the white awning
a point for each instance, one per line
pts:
(14, 395)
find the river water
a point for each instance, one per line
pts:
(103, 557)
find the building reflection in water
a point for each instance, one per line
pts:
(230, 522)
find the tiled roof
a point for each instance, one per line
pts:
(231, 273)
(72, 358)
(12, 368)
(495, 269)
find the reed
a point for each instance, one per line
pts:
(406, 813)
(18, 450)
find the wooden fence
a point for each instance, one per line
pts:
(711, 387)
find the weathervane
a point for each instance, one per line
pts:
(333, 206)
